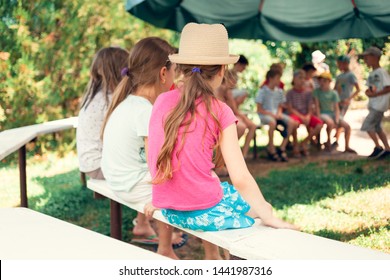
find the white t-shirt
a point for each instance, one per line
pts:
(270, 99)
(124, 160)
(90, 121)
(380, 79)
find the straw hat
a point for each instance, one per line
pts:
(325, 75)
(204, 44)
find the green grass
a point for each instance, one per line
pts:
(343, 200)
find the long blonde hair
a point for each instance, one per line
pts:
(145, 61)
(196, 85)
(105, 73)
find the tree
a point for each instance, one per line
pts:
(46, 51)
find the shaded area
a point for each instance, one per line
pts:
(66, 199)
(314, 181)
(347, 236)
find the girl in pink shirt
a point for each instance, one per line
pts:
(186, 127)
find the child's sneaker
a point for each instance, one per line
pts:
(327, 147)
(385, 154)
(378, 151)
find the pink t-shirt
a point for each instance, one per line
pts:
(192, 187)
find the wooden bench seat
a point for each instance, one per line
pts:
(256, 242)
(15, 139)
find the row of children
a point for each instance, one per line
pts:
(314, 102)
(156, 145)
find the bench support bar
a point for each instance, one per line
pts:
(116, 220)
(23, 177)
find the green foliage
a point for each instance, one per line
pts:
(47, 48)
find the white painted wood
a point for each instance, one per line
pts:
(27, 234)
(269, 243)
(261, 242)
(13, 139)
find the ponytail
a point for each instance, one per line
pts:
(125, 87)
(145, 61)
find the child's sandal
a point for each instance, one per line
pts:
(273, 156)
(304, 151)
(283, 155)
(296, 153)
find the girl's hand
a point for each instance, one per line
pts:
(275, 222)
(149, 210)
(269, 219)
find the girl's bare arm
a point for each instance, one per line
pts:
(244, 182)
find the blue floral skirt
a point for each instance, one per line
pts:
(229, 213)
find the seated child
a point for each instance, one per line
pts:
(239, 94)
(310, 71)
(94, 105)
(125, 134)
(299, 104)
(269, 101)
(328, 110)
(224, 93)
(186, 126)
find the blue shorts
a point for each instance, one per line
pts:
(229, 213)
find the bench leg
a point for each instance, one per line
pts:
(23, 177)
(116, 220)
(83, 179)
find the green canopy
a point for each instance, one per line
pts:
(276, 20)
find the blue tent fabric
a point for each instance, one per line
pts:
(276, 20)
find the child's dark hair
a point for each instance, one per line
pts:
(242, 60)
(105, 73)
(272, 73)
(308, 67)
(297, 73)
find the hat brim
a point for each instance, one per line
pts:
(203, 60)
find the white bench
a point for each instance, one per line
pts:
(15, 139)
(257, 242)
(26, 234)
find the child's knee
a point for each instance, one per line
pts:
(272, 124)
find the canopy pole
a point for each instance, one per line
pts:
(261, 6)
(355, 9)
